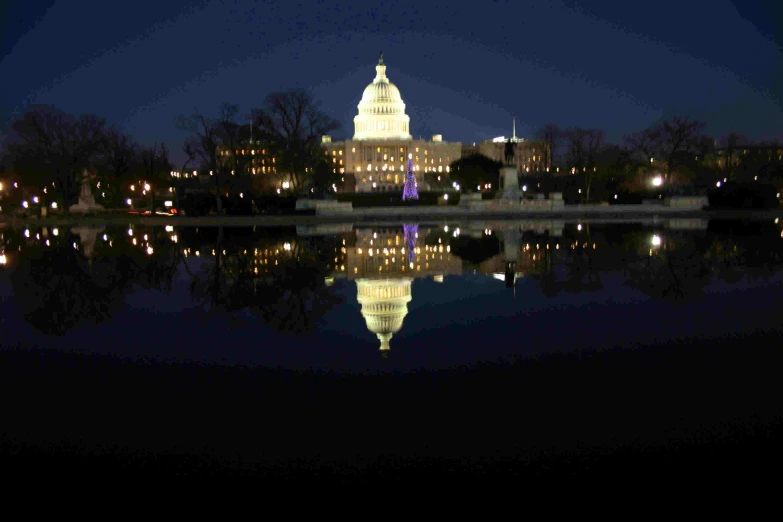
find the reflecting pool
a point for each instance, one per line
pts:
(402, 297)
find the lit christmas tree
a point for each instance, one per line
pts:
(409, 189)
(411, 233)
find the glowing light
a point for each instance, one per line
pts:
(524, 188)
(3, 259)
(149, 250)
(169, 228)
(656, 240)
(657, 181)
(446, 197)
(130, 231)
(133, 187)
(104, 237)
(35, 199)
(579, 226)
(55, 232)
(24, 204)
(54, 204)
(167, 203)
(446, 228)
(287, 246)
(717, 184)
(26, 232)
(128, 201)
(147, 187)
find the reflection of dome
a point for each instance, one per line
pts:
(384, 305)
(381, 110)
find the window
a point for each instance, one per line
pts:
(353, 149)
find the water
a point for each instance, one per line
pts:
(437, 296)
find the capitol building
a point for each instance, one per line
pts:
(376, 159)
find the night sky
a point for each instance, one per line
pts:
(464, 69)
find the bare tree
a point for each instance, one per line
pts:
(157, 168)
(50, 146)
(661, 143)
(204, 141)
(551, 135)
(292, 125)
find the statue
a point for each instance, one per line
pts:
(86, 201)
(510, 145)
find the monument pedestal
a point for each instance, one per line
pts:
(510, 178)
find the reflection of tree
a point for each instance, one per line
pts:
(56, 290)
(288, 292)
(475, 250)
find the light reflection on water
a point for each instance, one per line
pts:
(394, 297)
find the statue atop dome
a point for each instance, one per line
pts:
(380, 60)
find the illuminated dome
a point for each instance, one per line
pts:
(381, 110)
(384, 305)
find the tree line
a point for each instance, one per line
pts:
(48, 147)
(677, 150)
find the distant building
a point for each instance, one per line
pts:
(529, 155)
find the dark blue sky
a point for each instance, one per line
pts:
(463, 69)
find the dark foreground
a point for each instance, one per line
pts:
(677, 413)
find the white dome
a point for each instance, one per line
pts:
(381, 111)
(384, 305)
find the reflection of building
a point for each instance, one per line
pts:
(383, 252)
(529, 155)
(384, 265)
(384, 305)
(376, 158)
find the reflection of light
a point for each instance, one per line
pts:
(656, 240)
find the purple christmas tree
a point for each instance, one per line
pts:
(411, 233)
(409, 189)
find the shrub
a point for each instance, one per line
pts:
(743, 195)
